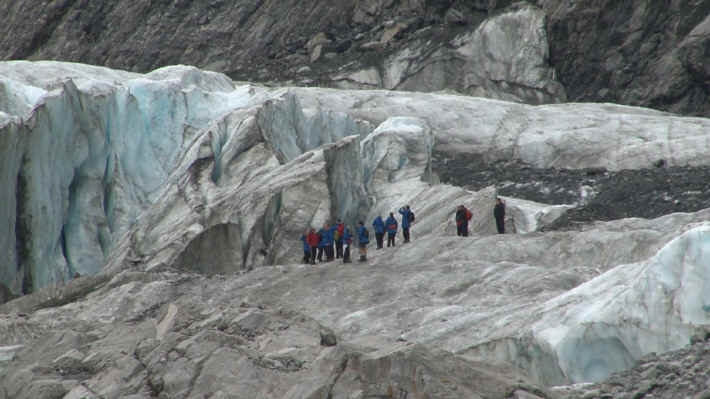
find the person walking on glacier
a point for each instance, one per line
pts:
(363, 238)
(391, 224)
(499, 215)
(379, 227)
(407, 220)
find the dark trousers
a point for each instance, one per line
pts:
(390, 239)
(329, 253)
(346, 254)
(306, 256)
(405, 233)
(500, 225)
(320, 253)
(462, 230)
(379, 238)
(339, 249)
(314, 250)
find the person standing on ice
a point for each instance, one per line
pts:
(306, 247)
(329, 232)
(463, 215)
(347, 243)
(363, 238)
(379, 226)
(407, 219)
(313, 241)
(339, 226)
(391, 225)
(499, 215)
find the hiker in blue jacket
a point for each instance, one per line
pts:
(329, 233)
(391, 225)
(306, 247)
(379, 227)
(347, 243)
(323, 241)
(363, 238)
(326, 242)
(407, 219)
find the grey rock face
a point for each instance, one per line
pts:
(506, 57)
(635, 53)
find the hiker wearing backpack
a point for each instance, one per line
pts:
(363, 238)
(313, 241)
(327, 234)
(391, 225)
(463, 216)
(407, 220)
(348, 242)
(379, 227)
(339, 227)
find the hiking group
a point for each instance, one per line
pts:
(322, 242)
(390, 227)
(335, 241)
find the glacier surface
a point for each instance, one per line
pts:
(108, 171)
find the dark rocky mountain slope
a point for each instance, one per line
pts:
(647, 53)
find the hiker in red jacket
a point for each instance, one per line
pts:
(312, 239)
(339, 230)
(463, 215)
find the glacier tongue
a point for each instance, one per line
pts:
(183, 169)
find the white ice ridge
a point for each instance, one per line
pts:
(85, 150)
(604, 325)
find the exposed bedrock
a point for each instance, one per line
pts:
(506, 57)
(634, 53)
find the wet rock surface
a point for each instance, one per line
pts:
(598, 193)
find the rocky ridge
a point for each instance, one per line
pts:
(633, 53)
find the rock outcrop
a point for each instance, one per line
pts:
(635, 53)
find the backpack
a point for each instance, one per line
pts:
(468, 215)
(411, 216)
(366, 233)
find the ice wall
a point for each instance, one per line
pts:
(85, 149)
(604, 325)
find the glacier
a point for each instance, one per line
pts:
(107, 173)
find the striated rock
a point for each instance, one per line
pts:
(506, 57)
(632, 53)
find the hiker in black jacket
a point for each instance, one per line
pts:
(499, 214)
